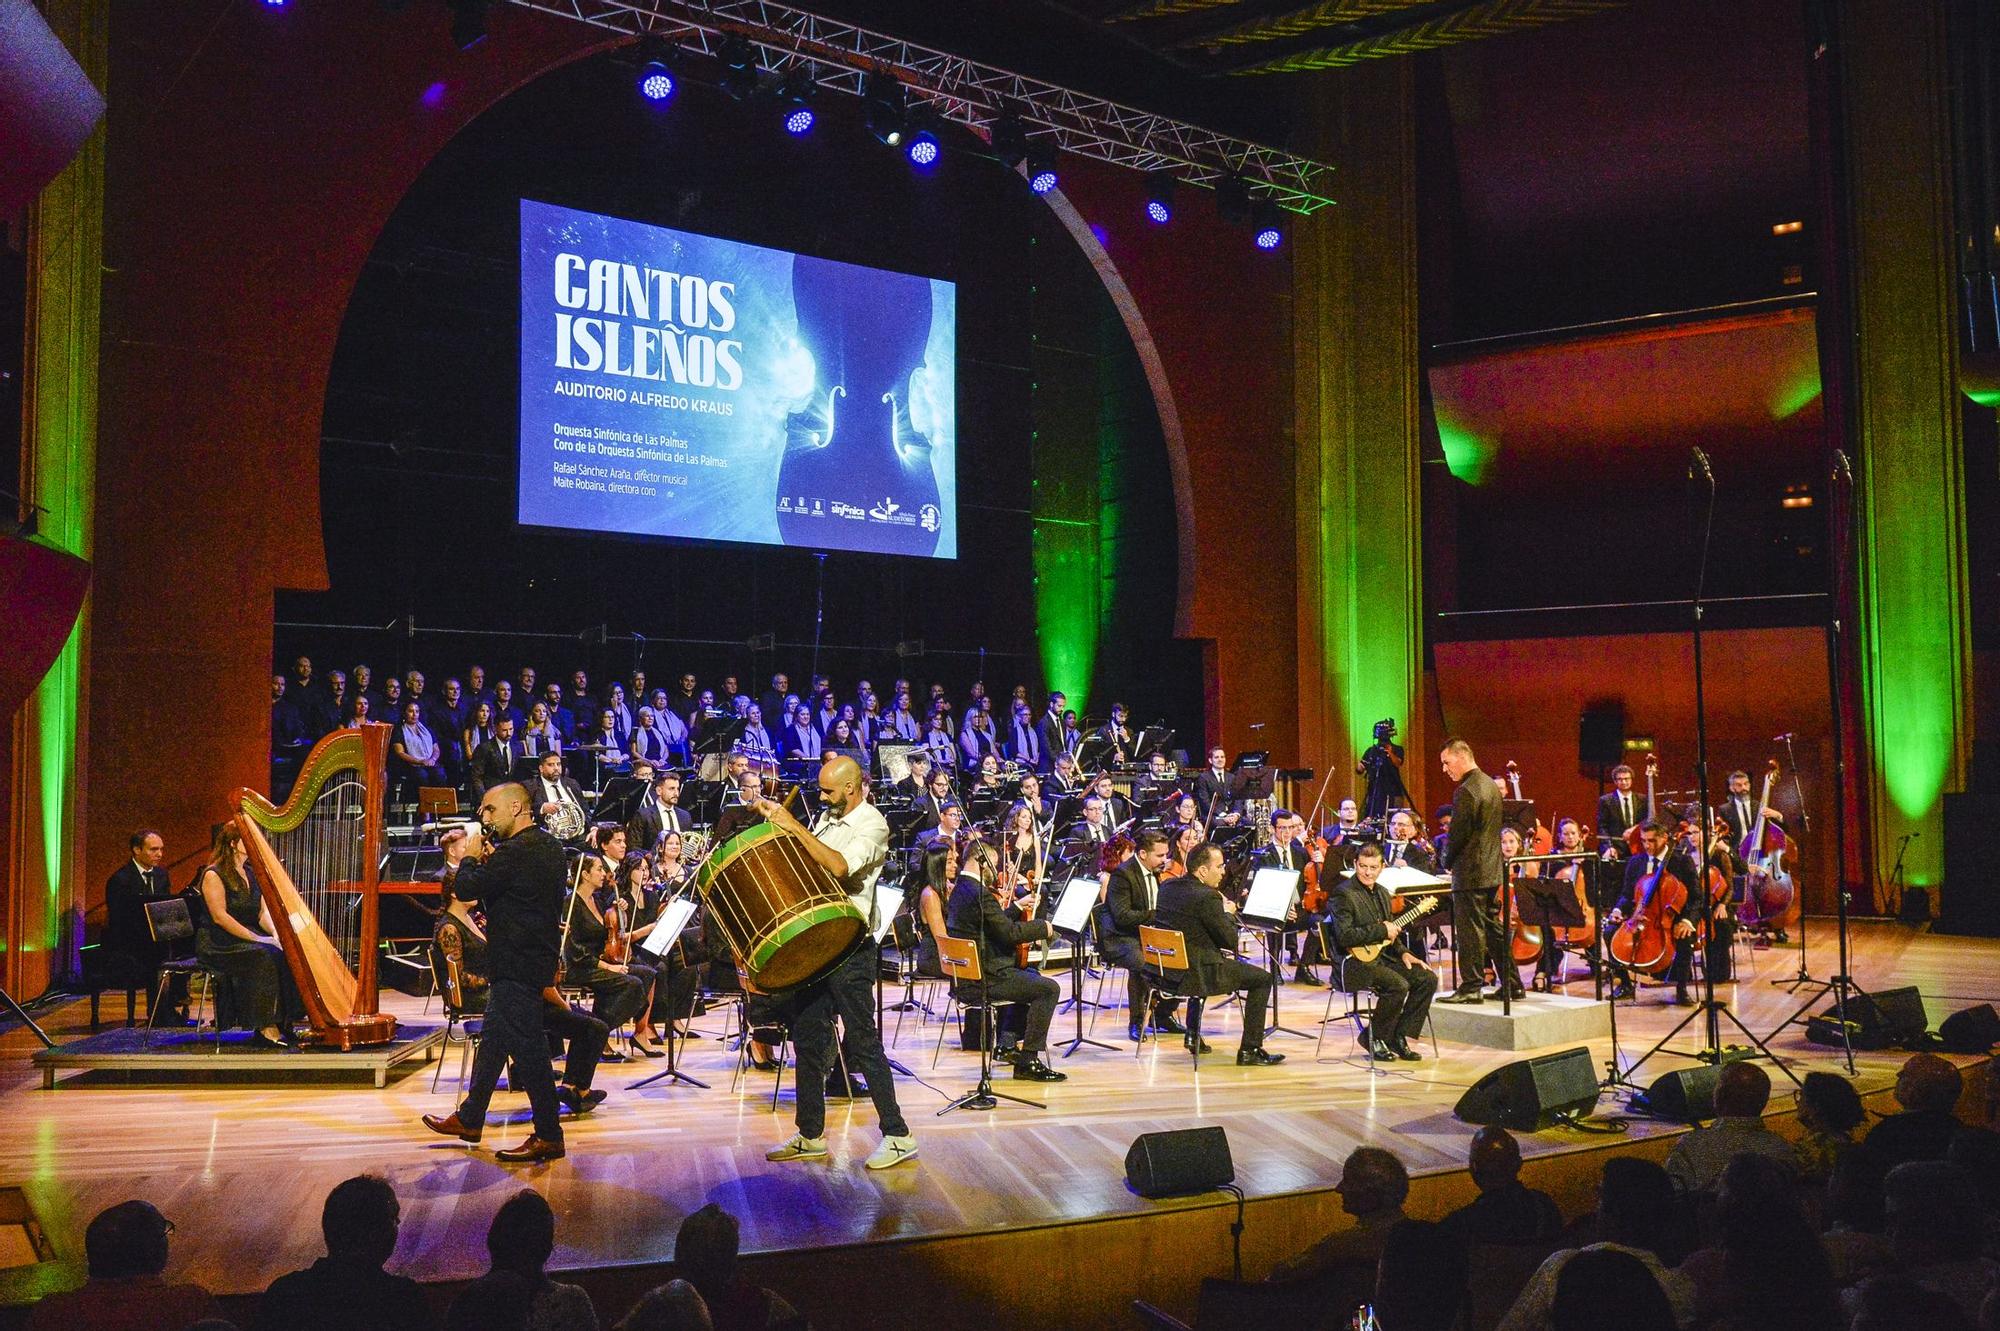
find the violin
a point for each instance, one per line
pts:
(1312, 893)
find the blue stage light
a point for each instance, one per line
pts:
(656, 84)
(1041, 166)
(1160, 186)
(923, 148)
(1269, 238)
(1159, 212)
(800, 121)
(1042, 182)
(1267, 226)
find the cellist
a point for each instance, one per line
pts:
(1658, 851)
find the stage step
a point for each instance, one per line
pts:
(1537, 1021)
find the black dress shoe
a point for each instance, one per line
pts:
(1621, 992)
(1381, 1052)
(1465, 993)
(1010, 1054)
(1031, 1068)
(1681, 998)
(1514, 991)
(1257, 1058)
(579, 1102)
(1196, 1045)
(1402, 1050)
(1166, 1022)
(1304, 975)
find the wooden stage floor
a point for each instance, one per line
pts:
(241, 1165)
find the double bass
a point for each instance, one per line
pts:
(1769, 895)
(1528, 939)
(1633, 834)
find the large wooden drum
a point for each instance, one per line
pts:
(782, 913)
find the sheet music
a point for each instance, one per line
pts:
(1273, 893)
(888, 900)
(674, 917)
(1073, 907)
(1403, 878)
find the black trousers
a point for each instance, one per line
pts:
(1403, 993)
(514, 1030)
(261, 982)
(1255, 982)
(849, 994)
(1475, 934)
(1122, 950)
(585, 1037)
(616, 996)
(1035, 995)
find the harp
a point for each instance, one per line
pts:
(318, 863)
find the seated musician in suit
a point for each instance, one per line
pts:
(1403, 985)
(1091, 828)
(549, 789)
(974, 912)
(950, 828)
(1215, 791)
(929, 806)
(1065, 780)
(661, 812)
(128, 940)
(1131, 895)
(1193, 905)
(1658, 849)
(1288, 850)
(1619, 810)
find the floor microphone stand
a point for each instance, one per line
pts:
(1805, 975)
(983, 1096)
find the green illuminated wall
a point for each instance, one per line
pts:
(1912, 641)
(1360, 553)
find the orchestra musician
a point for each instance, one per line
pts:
(551, 788)
(1118, 736)
(1091, 829)
(618, 989)
(916, 779)
(1619, 810)
(662, 812)
(929, 807)
(1192, 904)
(1402, 982)
(1065, 780)
(1406, 845)
(1131, 895)
(1741, 810)
(1049, 729)
(1117, 809)
(1215, 791)
(1288, 850)
(950, 830)
(1657, 849)
(1031, 796)
(1472, 856)
(976, 912)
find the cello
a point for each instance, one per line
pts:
(1645, 942)
(1525, 945)
(1529, 939)
(1769, 895)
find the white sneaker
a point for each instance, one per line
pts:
(893, 1151)
(800, 1147)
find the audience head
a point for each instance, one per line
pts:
(1495, 1157)
(1977, 1155)
(129, 1239)
(705, 1249)
(1829, 1104)
(360, 1220)
(1898, 1303)
(1928, 1084)
(1632, 1198)
(1598, 1279)
(1420, 1279)
(1755, 1195)
(1742, 1090)
(523, 1234)
(1934, 1213)
(674, 1306)
(499, 1301)
(277, 686)
(1855, 1190)
(1372, 1181)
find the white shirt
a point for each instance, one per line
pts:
(862, 838)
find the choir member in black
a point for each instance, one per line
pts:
(520, 883)
(661, 812)
(901, 724)
(977, 741)
(1382, 764)
(1656, 848)
(618, 990)
(475, 684)
(916, 779)
(237, 940)
(1288, 850)
(1472, 856)
(975, 912)
(1049, 730)
(1619, 810)
(943, 748)
(504, 708)
(551, 789)
(1072, 736)
(389, 702)
(842, 741)
(364, 687)
(472, 737)
(1130, 898)
(1193, 905)
(540, 734)
(128, 941)
(1402, 984)
(1215, 792)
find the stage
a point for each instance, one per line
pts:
(240, 1160)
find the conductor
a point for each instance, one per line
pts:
(518, 872)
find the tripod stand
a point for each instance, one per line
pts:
(7, 1002)
(954, 963)
(672, 1071)
(1077, 1002)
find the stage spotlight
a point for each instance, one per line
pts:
(656, 82)
(1232, 200)
(1042, 166)
(1160, 196)
(274, 4)
(923, 150)
(1269, 231)
(795, 101)
(1010, 140)
(739, 68)
(468, 23)
(885, 109)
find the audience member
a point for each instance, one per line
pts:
(1507, 1212)
(1829, 1112)
(347, 1290)
(1898, 1303)
(705, 1249)
(1597, 1281)
(1768, 1269)
(497, 1301)
(520, 1240)
(1373, 1187)
(1936, 1226)
(1421, 1278)
(1638, 1213)
(1927, 1088)
(1856, 1235)
(125, 1248)
(1741, 1092)
(674, 1306)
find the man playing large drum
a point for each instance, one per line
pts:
(850, 839)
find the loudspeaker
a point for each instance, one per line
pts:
(1973, 1031)
(1875, 1021)
(1164, 1164)
(1600, 736)
(1534, 1093)
(1686, 1095)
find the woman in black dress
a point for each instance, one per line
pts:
(238, 942)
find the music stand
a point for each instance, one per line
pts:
(1272, 896)
(1152, 739)
(674, 917)
(620, 799)
(1092, 752)
(1072, 920)
(888, 904)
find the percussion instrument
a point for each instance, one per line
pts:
(784, 916)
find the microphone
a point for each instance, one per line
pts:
(1699, 463)
(1785, 738)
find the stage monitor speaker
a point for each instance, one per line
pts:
(1600, 738)
(1166, 1164)
(1534, 1093)
(1686, 1095)
(1876, 1021)
(1975, 1030)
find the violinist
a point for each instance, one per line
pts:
(1660, 851)
(1406, 845)
(1131, 895)
(1184, 815)
(940, 872)
(1289, 850)
(1184, 839)
(617, 989)
(1021, 846)
(976, 912)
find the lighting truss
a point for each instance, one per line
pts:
(965, 91)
